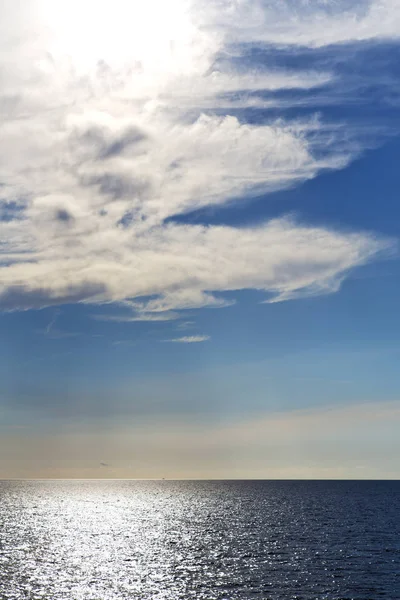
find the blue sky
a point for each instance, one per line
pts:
(199, 271)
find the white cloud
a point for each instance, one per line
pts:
(181, 264)
(101, 146)
(312, 23)
(139, 316)
(190, 339)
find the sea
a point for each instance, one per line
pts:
(226, 540)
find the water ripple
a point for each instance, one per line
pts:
(166, 540)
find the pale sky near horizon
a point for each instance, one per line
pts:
(199, 223)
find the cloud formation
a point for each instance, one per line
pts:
(312, 23)
(102, 148)
(190, 339)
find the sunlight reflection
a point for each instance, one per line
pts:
(95, 539)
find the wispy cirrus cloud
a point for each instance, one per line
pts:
(190, 339)
(149, 317)
(103, 146)
(312, 23)
(51, 332)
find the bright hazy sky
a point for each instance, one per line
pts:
(199, 223)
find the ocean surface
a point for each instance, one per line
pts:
(204, 540)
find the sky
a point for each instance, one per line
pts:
(199, 226)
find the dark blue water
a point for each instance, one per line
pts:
(176, 540)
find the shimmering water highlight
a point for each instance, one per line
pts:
(81, 540)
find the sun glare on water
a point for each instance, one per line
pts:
(153, 36)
